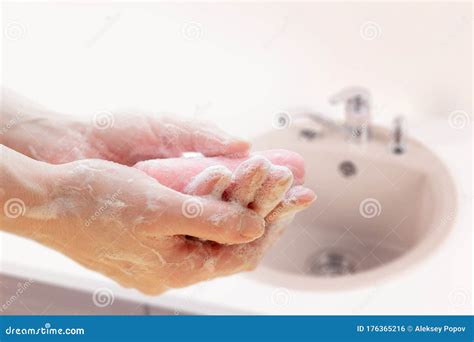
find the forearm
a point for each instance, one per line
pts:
(29, 128)
(26, 185)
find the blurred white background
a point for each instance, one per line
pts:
(238, 63)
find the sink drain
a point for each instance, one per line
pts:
(331, 264)
(347, 168)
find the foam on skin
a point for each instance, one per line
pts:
(274, 196)
(212, 181)
(165, 170)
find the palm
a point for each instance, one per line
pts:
(127, 138)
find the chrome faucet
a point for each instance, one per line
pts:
(357, 111)
(357, 114)
(357, 125)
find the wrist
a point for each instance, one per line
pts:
(27, 185)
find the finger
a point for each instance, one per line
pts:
(164, 170)
(289, 159)
(178, 136)
(198, 264)
(215, 220)
(273, 190)
(296, 199)
(242, 257)
(245, 257)
(247, 179)
(212, 181)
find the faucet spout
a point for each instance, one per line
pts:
(324, 121)
(357, 111)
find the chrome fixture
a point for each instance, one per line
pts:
(357, 111)
(357, 114)
(398, 136)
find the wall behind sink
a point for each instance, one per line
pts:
(239, 63)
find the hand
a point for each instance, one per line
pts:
(124, 137)
(137, 137)
(119, 221)
(124, 224)
(264, 185)
(91, 202)
(147, 236)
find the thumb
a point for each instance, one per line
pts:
(215, 220)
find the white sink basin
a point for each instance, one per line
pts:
(377, 213)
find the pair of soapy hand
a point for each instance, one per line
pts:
(127, 204)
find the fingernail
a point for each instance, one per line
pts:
(253, 227)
